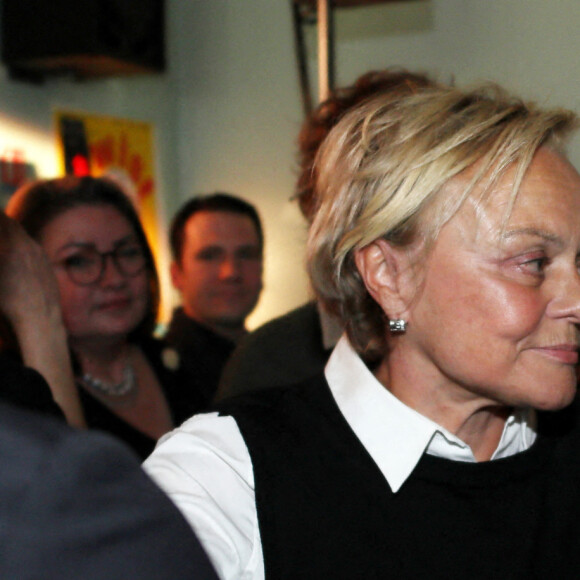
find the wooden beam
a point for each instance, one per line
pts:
(323, 50)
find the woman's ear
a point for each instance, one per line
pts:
(385, 270)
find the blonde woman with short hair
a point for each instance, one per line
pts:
(442, 440)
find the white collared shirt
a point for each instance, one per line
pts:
(206, 469)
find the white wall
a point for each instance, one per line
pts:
(228, 111)
(529, 46)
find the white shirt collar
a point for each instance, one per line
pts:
(395, 435)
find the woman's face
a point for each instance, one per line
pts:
(115, 304)
(497, 318)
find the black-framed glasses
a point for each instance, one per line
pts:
(87, 265)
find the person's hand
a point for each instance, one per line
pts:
(28, 287)
(30, 303)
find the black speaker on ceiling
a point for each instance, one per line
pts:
(84, 38)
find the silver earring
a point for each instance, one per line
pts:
(397, 326)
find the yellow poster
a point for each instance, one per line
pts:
(119, 148)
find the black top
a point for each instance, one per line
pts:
(326, 511)
(25, 387)
(77, 505)
(182, 400)
(285, 350)
(202, 353)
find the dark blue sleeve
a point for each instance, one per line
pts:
(78, 505)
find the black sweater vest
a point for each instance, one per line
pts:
(325, 510)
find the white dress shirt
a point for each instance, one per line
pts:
(205, 467)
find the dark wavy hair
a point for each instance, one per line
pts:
(38, 203)
(319, 123)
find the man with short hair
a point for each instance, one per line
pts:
(217, 245)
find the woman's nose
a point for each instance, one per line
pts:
(112, 273)
(566, 303)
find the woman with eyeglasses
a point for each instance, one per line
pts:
(109, 293)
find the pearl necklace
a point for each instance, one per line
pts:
(124, 387)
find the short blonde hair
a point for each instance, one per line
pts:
(386, 162)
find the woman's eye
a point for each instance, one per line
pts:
(78, 262)
(536, 265)
(130, 252)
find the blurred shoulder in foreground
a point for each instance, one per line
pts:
(77, 505)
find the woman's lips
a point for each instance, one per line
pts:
(117, 304)
(566, 353)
